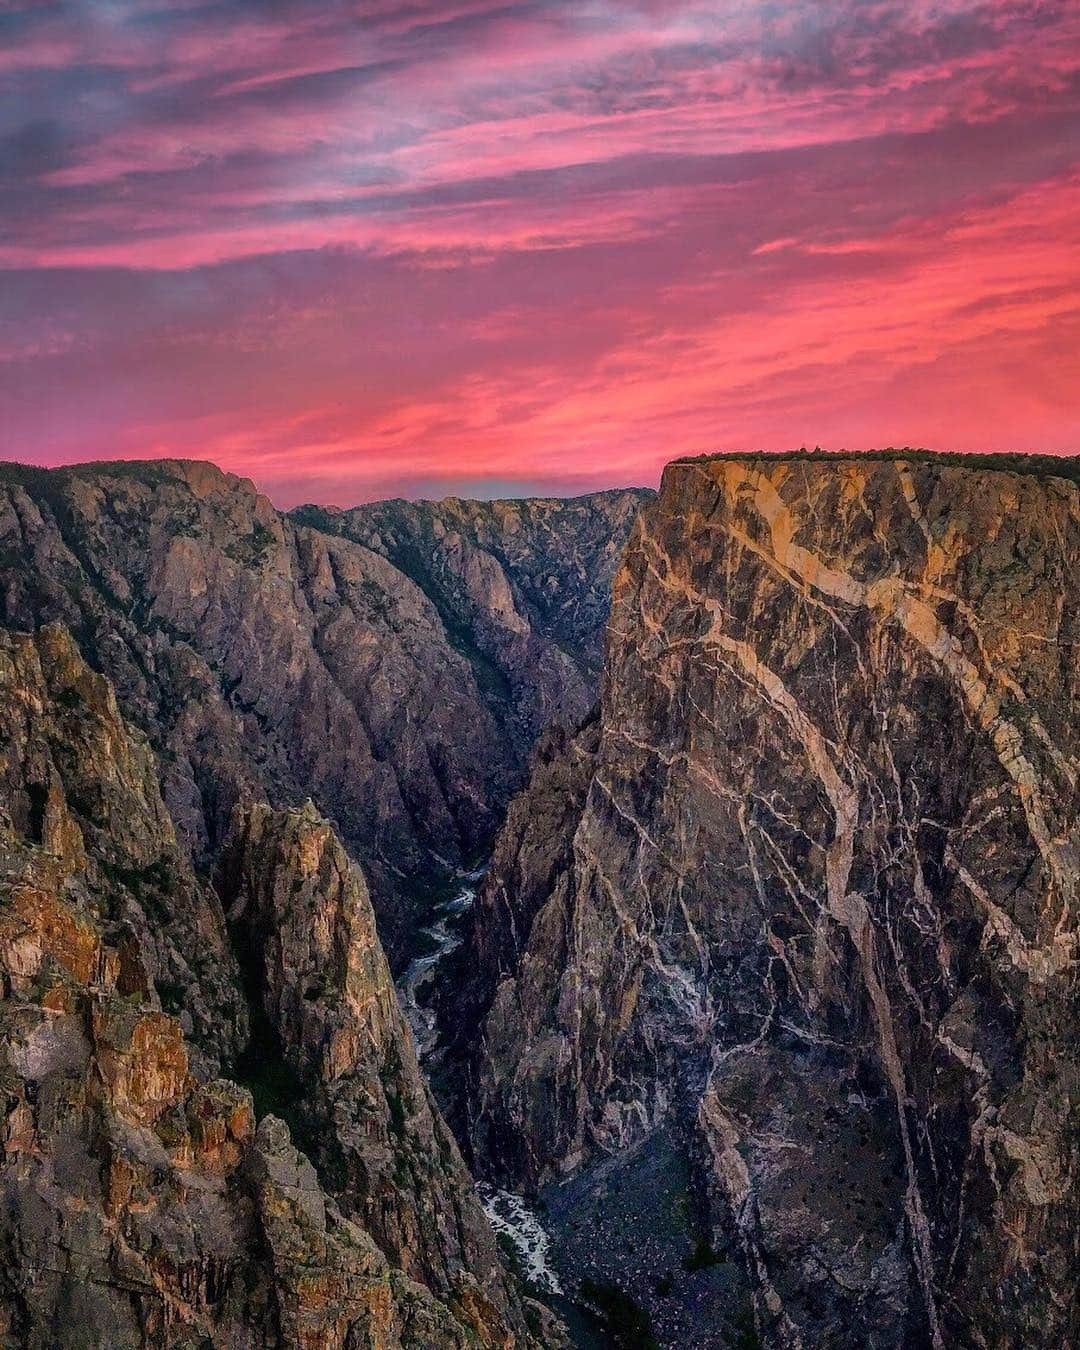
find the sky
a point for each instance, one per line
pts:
(366, 250)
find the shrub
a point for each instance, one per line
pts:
(702, 1257)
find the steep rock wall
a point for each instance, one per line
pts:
(299, 910)
(523, 588)
(815, 900)
(269, 660)
(141, 1202)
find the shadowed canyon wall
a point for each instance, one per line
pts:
(794, 908)
(143, 1204)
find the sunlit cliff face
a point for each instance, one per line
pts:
(489, 247)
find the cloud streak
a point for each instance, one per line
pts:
(416, 246)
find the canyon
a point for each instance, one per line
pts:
(724, 845)
(395, 668)
(145, 1201)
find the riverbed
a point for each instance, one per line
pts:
(509, 1214)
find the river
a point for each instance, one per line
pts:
(509, 1214)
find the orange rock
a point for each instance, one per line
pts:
(143, 1061)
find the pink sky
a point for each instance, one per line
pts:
(498, 248)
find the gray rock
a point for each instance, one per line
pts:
(139, 1205)
(272, 657)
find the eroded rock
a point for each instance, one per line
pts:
(141, 1204)
(393, 663)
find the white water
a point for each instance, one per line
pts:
(420, 973)
(507, 1213)
(510, 1214)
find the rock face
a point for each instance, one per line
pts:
(396, 676)
(141, 1205)
(77, 784)
(325, 999)
(522, 587)
(806, 895)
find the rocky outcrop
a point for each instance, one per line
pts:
(300, 913)
(396, 680)
(141, 1203)
(76, 783)
(813, 901)
(532, 865)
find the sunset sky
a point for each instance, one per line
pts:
(361, 250)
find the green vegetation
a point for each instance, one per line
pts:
(625, 1324)
(511, 1257)
(251, 549)
(149, 471)
(746, 1333)
(316, 518)
(397, 1112)
(390, 1075)
(275, 1089)
(275, 1086)
(1039, 466)
(513, 1262)
(150, 885)
(682, 1210)
(171, 995)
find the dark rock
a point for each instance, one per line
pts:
(300, 911)
(813, 904)
(140, 1204)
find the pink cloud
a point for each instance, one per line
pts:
(463, 241)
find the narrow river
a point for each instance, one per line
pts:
(441, 937)
(509, 1214)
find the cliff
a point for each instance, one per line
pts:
(522, 587)
(808, 903)
(142, 1203)
(326, 1008)
(267, 659)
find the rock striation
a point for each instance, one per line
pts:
(142, 1203)
(392, 663)
(805, 894)
(78, 784)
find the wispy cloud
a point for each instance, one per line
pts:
(429, 242)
